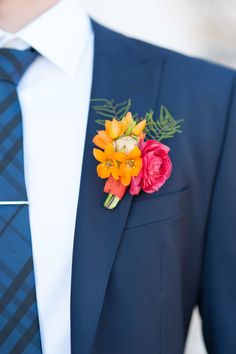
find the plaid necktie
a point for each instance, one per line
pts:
(19, 325)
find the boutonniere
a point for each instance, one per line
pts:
(130, 153)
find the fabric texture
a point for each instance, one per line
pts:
(19, 325)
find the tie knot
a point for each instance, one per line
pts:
(14, 62)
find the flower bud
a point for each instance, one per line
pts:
(125, 144)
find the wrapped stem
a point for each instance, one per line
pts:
(116, 191)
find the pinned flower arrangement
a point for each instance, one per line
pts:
(130, 153)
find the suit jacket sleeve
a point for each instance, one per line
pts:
(218, 288)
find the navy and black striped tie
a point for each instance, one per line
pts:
(19, 324)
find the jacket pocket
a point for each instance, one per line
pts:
(157, 208)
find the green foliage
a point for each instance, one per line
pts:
(163, 128)
(109, 110)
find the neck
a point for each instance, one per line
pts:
(15, 14)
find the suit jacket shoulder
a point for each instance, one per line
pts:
(205, 73)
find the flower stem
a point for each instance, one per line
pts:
(111, 201)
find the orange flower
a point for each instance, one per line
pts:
(114, 128)
(108, 162)
(130, 166)
(139, 127)
(128, 119)
(141, 136)
(128, 122)
(102, 139)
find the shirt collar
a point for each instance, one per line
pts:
(61, 35)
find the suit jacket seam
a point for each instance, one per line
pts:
(224, 140)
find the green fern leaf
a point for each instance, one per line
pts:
(163, 128)
(109, 110)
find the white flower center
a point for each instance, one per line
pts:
(125, 144)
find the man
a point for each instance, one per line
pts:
(123, 281)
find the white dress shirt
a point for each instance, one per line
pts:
(54, 95)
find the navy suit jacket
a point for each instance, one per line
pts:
(139, 270)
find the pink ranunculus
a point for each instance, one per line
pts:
(156, 168)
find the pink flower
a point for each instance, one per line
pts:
(156, 168)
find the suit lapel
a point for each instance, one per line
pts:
(118, 75)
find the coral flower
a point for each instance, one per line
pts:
(108, 162)
(156, 168)
(115, 187)
(130, 166)
(102, 139)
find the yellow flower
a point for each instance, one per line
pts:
(108, 162)
(130, 165)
